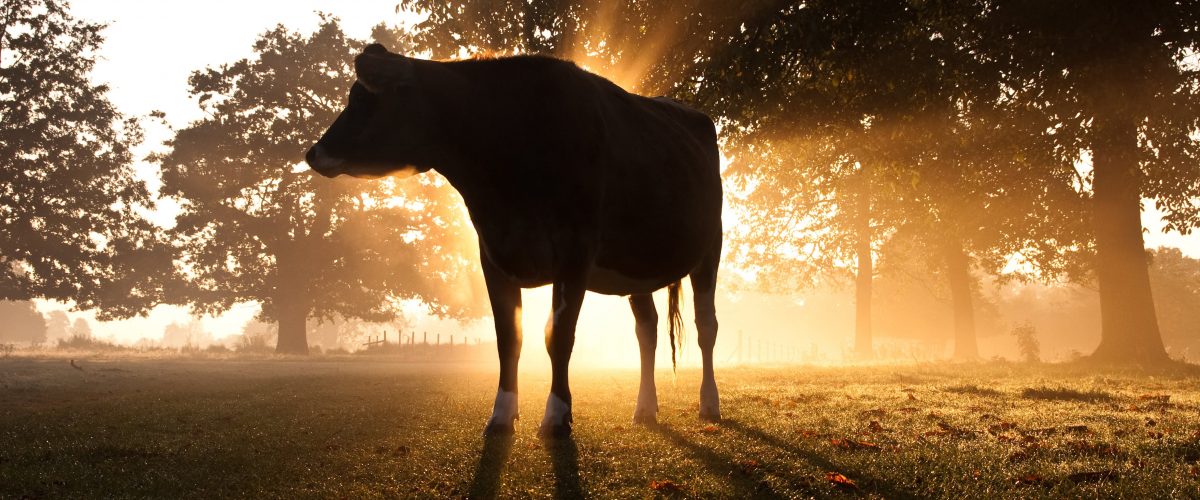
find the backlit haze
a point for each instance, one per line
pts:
(151, 49)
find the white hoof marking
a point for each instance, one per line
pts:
(504, 411)
(556, 411)
(647, 405)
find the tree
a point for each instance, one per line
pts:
(1111, 77)
(855, 122)
(57, 324)
(189, 335)
(651, 47)
(21, 322)
(80, 328)
(1175, 280)
(69, 201)
(258, 225)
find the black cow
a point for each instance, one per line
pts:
(569, 180)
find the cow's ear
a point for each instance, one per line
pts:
(381, 71)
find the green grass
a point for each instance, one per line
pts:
(337, 427)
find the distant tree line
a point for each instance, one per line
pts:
(953, 141)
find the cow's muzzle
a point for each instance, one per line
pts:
(320, 161)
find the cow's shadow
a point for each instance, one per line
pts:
(564, 458)
(486, 483)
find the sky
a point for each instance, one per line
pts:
(152, 46)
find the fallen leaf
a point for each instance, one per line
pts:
(1150, 422)
(875, 426)
(1022, 455)
(996, 429)
(1028, 480)
(710, 429)
(748, 466)
(851, 444)
(840, 481)
(666, 485)
(1161, 399)
(955, 431)
(1155, 434)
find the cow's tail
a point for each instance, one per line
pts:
(674, 319)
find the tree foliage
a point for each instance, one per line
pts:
(1131, 100)
(258, 225)
(21, 322)
(70, 226)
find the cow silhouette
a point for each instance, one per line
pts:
(569, 180)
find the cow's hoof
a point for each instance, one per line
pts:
(710, 414)
(560, 431)
(497, 429)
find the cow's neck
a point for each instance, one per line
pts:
(483, 180)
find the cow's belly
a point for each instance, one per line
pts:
(611, 282)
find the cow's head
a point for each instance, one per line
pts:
(383, 130)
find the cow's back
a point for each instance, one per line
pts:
(662, 201)
(560, 154)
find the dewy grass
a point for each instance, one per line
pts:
(1065, 394)
(285, 428)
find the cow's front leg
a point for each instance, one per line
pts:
(560, 339)
(646, 319)
(505, 297)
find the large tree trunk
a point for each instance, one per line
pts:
(1128, 326)
(291, 303)
(293, 329)
(863, 280)
(958, 274)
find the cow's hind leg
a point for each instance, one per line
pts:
(505, 297)
(704, 286)
(560, 340)
(646, 319)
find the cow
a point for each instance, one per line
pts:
(569, 180)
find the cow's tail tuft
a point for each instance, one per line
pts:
(674, 320)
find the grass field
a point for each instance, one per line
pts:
(331, 427)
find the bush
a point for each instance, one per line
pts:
(254, 344)
(84, 342)
(1027, 342)
(217, 349)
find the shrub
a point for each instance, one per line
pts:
(1027, 342)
